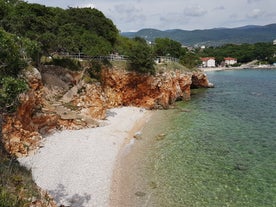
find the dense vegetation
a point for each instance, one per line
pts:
(141, 57)
(263, 52)
(57, 30)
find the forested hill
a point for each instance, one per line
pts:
(56, 29)
(212, 37)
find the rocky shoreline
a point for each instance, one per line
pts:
(59, 100)
(53, 103)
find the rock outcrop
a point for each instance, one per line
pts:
(22, 131)
(200, 80)
(151, 92)
(68, 104)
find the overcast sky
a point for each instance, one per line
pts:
(133, 15)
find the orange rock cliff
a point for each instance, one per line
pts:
(55, 101)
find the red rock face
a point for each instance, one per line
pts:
(151, 92)
(36, 116)
(200, 80)
(22, 131)
(92, 101)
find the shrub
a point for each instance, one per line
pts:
(141, 58)
(95, 68)
(10, 88)
(71, 64)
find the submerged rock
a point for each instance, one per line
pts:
(241, 167)
(153, 185)
(140, 194)
(138, 136)
(160, 137)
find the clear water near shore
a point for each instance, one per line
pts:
(219, 149)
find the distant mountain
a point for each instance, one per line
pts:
(212, 37)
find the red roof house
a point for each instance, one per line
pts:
(208, 62)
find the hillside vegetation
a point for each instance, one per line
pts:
(59, 30)
(211, 37)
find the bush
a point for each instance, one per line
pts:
(141, 58)
(71, 64)
(95, 68)
(10, 88)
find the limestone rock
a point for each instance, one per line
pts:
(74, 104)
(200, 80)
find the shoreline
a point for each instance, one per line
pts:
(133, 183)
(76, 167)
(236, 68)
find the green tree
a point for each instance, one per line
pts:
(15, 52)
(141, 57)
(190, 60)
(10, 88)
(123, 45)
(94, 21)
(68, 37)
(56, 29)
(10, 61)
(94, 45)
(168, 47)
(263, 51)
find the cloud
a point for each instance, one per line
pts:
(195, 11)
(252, 1)
(255, 13)
(172, 20)
(126, 9)
(129, 13)
(219, 8)
(89, 5)
(129, 16)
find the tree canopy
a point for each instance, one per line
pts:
(244, 52)
(56, 29)
(141, 57)
(14, 53)
(168, 47)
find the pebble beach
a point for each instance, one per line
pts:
(76, 167)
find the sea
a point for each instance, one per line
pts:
(216, 150)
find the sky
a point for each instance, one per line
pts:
(133, 15)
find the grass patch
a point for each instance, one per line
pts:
(160, 68)
(17, 188)
(119, 64)
(172, 66)
(71, 64)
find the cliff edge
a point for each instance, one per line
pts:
(61, 99)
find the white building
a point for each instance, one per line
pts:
(208, 62)
(230, 61)
(274, 42)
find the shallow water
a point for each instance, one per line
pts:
(219, 149)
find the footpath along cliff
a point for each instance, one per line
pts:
(61, 99)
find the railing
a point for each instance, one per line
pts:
(116, 57)
(165, 59)
(87, 57)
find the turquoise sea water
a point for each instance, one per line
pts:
(219, 149)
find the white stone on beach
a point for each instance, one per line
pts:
(76, 167)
